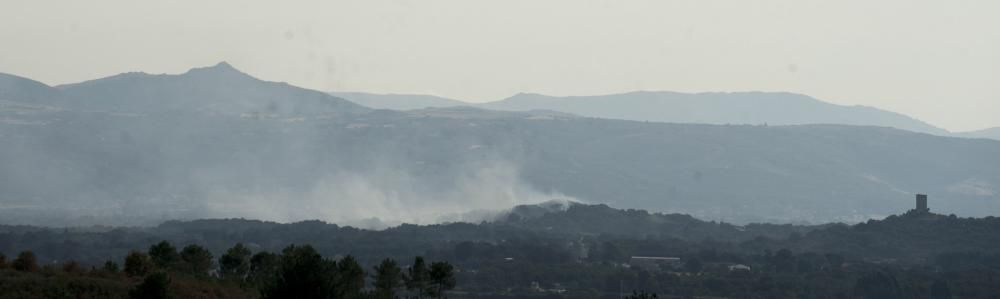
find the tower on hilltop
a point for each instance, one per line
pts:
(922, 204)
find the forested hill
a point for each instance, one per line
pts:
(587, 251)
(600, 220)
(588, 248)
(911, 236)
(562, 232)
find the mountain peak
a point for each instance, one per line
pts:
(221, 68)
(224, 66)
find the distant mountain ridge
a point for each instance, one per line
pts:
(991, 133)
(716, 108)
(774, 108)
(218, 89)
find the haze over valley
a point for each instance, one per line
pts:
(515, 149)
(214, 142)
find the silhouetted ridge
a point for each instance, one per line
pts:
(990, 133)
(24, 90)
(220, 89)
(776, 108)
(754, 108)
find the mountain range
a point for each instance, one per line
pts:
(215, 142)
(754, 108)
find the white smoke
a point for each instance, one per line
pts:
(385, 196)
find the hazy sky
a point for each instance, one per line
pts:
(938, 61)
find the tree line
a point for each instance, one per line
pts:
(298, 271)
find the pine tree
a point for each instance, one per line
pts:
(418, 278)
(388, 278)
(235, 263)
(196, 260)
(442, 276)
(138, 264)
(263, 269)
(164, 255)
(302, 273)
(350, 278)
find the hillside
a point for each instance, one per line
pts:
(923, 235)
(27, 102)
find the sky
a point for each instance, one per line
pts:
(938, 61)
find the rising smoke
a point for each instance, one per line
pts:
(384, 197)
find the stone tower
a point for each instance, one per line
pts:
(922, 203)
